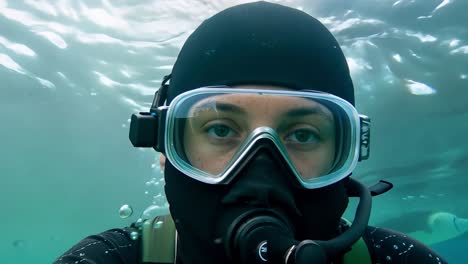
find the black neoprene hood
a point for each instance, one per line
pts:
(255, 43)
(262, 43)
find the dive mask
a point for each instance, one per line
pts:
(207, 132)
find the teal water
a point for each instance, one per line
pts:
(72, 72)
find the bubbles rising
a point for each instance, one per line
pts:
(134, 235)
(154, 210)
(125, 211)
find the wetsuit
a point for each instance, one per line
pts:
(116, 246)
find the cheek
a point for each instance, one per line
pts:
(327, 158)
(315, 164)
(310, 167)
(203, 157)
(162, 162)
(194, 153)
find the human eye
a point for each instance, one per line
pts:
(303, 136)
(219, 131)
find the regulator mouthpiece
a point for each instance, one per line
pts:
(250, 237)
(265, 236)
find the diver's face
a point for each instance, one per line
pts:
(214, 137)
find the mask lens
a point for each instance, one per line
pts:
(212, 130)
(208, 133)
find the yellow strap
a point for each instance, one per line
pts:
(159, 240)
(359, 253)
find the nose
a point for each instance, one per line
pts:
(262, 184)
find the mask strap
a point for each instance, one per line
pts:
(161, 94)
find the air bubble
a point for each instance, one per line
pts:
(139, 223)
(134, 235)
(388, 258)
(395, 246)
(125, 211)
(153, 211)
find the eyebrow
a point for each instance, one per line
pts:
(315, 110)
(225, 107)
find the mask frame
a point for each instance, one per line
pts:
(149, 129)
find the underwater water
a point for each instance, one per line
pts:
(73, 72)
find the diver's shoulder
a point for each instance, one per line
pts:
(390, 245)
(111, 246)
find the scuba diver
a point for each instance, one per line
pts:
(260, 134)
